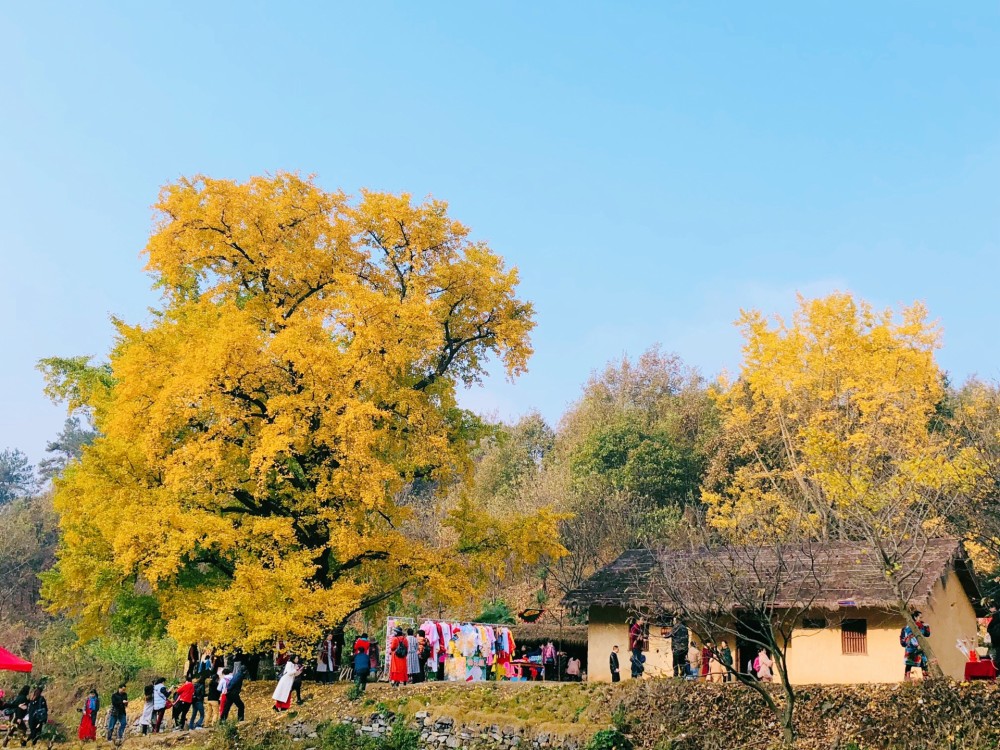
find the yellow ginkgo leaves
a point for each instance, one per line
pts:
(258, 435)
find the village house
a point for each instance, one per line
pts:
(849, 633)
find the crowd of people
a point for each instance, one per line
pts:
(715, 662)
(364, 663)
(210, 690)
(27, 712)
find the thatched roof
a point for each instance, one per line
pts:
(840, 574)
(544, 632)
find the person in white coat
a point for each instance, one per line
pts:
(763, 666)
(283, 692)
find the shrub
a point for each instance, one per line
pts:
(497, 611)
(402, 738)
(343, 737)
(125, 657)
(609, 739)
(336, 737)
(354, 692)
(271, 739)
(226, 736)
(619, 718)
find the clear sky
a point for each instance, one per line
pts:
(651, 168)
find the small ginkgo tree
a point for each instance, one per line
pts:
(835, 427)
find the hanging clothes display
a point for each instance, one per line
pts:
(462, 651)
(390, 627)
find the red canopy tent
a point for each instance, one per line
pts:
(12, 663)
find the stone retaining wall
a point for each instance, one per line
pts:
(443, 733)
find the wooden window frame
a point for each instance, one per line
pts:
(854, 637)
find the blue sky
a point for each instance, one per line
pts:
(651, 168)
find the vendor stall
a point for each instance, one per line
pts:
(463, 651)
(11, 663)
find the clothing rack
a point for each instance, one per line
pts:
(405, 622)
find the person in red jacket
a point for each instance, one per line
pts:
(185, 696)
(637, 635)
(398, 649)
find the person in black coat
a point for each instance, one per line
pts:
(679, 639)
(993, 631)
(616, 672)
(116, 716)
(38, 715)
(233, 695)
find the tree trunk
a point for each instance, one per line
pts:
(788, 720)
(787, 717)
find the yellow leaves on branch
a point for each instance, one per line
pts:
(832, 411)
(298, 378)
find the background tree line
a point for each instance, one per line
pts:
(839, 425)
(643, 455)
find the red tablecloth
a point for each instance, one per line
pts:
(527, 669)
(980, 670)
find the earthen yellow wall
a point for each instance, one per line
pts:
(815, 656)
(951, 617)
(607, 628)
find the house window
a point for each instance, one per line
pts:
(854, 636)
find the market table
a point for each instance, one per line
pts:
(980, 670)
(528, 670)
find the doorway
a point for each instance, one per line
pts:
(750, 633)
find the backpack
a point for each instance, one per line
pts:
(235, 683)
(425, 652)
(401, 650)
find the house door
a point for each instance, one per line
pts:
(750, 634)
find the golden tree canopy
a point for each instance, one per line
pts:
(258, 437)
(833, 412)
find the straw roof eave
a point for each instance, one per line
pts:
(843, 580)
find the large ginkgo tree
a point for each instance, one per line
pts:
(260, 435)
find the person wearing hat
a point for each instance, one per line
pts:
(399, 648)
(913, 654)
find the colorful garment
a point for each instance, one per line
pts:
(282, 696)
(763, 665)
(913, 655)
(455, 667)
(397, 664)
(467, 638)
(87, 730)
(412, 655)
(431, 634)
